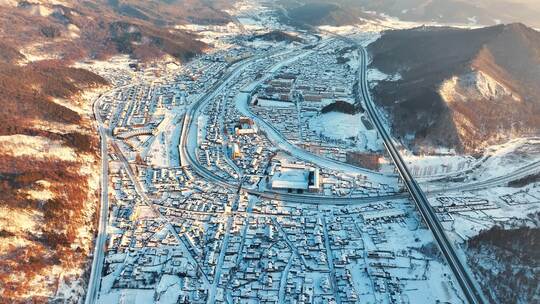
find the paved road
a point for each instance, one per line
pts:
(283, 280)
(219, 267)
(330, 261)
(94, 283)
(101, 238)
(465, 279)
(519, 173)
(292, 246)
(149, 202)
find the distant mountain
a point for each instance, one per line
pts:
(483, 12)
(277, 36)
(322, 14)
(460, 88)
(172, 12)
(317, 13)
(73, 30)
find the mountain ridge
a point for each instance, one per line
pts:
(427, 58)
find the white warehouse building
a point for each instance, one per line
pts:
(296, 178)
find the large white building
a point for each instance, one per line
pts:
(295, 178)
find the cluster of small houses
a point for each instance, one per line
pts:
(257, 266)
(142, 249)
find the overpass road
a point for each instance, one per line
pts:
(462, 274)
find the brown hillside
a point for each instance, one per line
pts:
(27, 105)
(172, 12)
(49, 169)
(505, 57)
(26, 97)
(9, 54)
(98, 29)
(317, 12)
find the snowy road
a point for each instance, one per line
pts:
(330, 261)
(97, 262)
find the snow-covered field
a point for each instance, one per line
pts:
(525, 202)
(342, 126)
(131, 296)
(21, 222)
(497, 161)
(374, 75)
(507, 157)
(437, 165)
(274, 103)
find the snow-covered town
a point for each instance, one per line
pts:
(269, 151)
(256, 174)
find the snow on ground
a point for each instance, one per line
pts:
(369, 30)
(262, 44)
(274, 103)
(69, 282)
(470, 223)
(508, 157)
(338, 125)
(158, 152)
(107, 281)
(342, 126)
(497, 161)
(374, 75)
(81, 102)
(40, 195)
(386, 22)
(341, 30)
(253, 16)
(409, 234)
(116, 69)
(16, 220)
(473, 86)
(280, 142)
(163, 150)
(35, 146)
(251, 23)
(215, 35)
(174, 157)
(9, 2)
(128, 296)
(169, 289)
(436, 165)
(354, 60)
